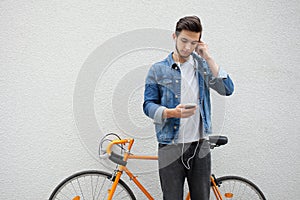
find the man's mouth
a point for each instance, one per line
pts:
(185, 53)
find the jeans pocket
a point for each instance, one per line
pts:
(204, 149)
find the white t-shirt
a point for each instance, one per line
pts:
(189, 130)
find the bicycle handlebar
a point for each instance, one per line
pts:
(116, 158)
(123, 141)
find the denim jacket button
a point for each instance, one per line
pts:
(176, 81)
(175, 127)
(176, 96)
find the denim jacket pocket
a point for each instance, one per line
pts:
(165, 132)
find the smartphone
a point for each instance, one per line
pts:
(190, 105)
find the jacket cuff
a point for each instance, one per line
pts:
(158, 115)
(222, 73)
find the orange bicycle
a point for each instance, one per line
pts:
(100, 185)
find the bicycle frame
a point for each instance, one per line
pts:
(91, 184)
(122, 168)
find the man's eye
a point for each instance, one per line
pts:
(184, 41)
(194, 43)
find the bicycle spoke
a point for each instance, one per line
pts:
(120, 193)
(100, 190)
(79, 185)
(235, 188)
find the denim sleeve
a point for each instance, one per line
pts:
(222, 83)
(158, 115)
(152, 98)
(222, 73)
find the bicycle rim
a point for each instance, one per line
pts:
(90, 185)
(235, 187)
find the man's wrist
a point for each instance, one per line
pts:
(213, 66)
(168, 113)
(208, 58)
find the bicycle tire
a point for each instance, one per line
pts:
(90, 185)
(235, 187)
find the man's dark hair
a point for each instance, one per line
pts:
(189, 23)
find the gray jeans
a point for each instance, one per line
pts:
(191, 161)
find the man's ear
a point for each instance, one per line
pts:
(174, 36)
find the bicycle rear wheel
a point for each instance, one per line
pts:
(235, 187)
(90, 185)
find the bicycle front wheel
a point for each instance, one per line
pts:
(235, 187)
(90, 185)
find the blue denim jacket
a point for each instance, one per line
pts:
(162, 90)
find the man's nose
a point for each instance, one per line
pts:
(188, 46)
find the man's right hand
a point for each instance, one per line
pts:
(179, 112)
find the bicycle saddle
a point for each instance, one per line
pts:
(218, 140)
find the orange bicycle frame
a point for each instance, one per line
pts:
(122, 168)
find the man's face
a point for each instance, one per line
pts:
(186, 42)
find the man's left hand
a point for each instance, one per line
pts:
(202, 50)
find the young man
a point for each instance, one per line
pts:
(177, 98)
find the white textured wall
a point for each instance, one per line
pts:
(45, 46)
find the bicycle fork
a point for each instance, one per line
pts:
(214, 186)
(114, 185)
(132, 177)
